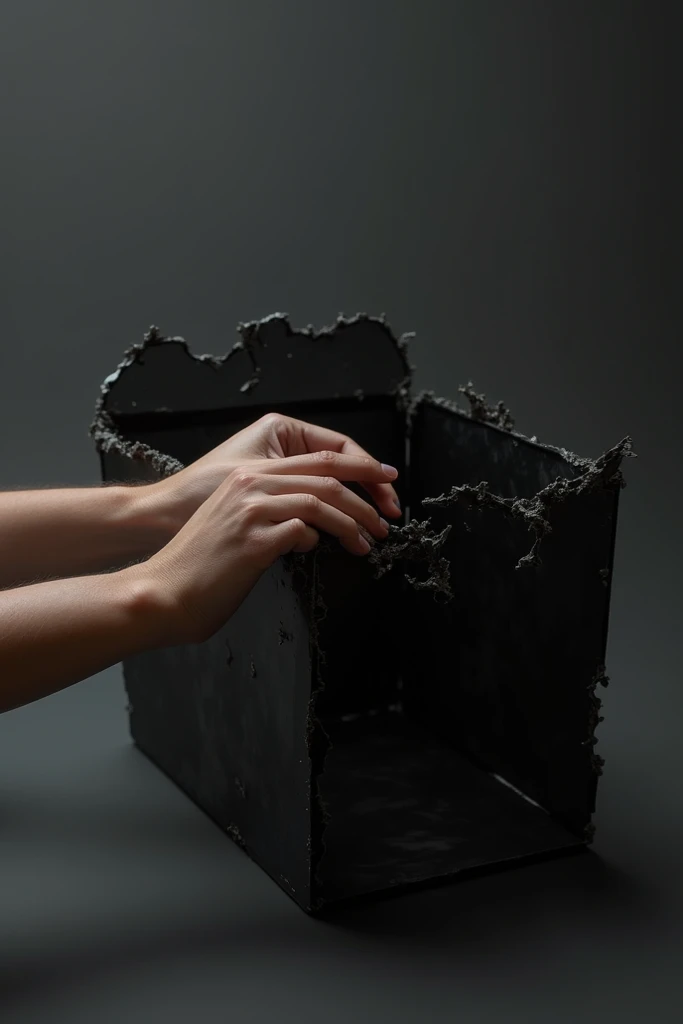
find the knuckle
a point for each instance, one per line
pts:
(294, 532)
(251, 511)
(272, 419)
(244, 478)
(326, 457)
(331, 484)
(310, 502)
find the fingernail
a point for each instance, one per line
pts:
(364, 546)
(384, 524)
(390, 470)
(397, 503)
(366, 536)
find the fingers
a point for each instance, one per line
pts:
(332, 492)
(319, 439)
(294, 535)
(317, 514)
(296, 437)
(362, 468)
(385, 497)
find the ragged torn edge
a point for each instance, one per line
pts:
(415, 542)
(603, 473)
(597, 762)
(153, 337)
(108, 440)
(480, 410)
(103, 430)
(595, 718)
(249, 341)
(497, 417)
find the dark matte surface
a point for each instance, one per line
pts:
(405, 808)
(185, 702)
(274, 360)
(355, 604)
(226, 720)
(356, 634)
(515, 653)
(373, 422)
(504, 179)
(345, 583)
(230, 721)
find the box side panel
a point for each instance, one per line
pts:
(507, 670)
(226, 720)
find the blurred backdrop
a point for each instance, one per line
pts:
(500, 176)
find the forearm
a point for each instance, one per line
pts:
(56, 633)
(75, 531)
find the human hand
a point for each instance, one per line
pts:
(273, 437)
(265, 508)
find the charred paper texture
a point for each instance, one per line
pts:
(366, 724)
(531, 535)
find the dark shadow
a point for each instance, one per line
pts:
(463, 919)
(511, 903)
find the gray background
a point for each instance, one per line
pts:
(501, 177)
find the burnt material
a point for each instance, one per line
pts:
(367, 724)
(513, 658)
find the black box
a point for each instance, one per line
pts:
(362, 725)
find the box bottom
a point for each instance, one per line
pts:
(405, 808)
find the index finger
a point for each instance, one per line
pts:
(361, 468)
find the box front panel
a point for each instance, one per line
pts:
(358, 630)
(226, 720)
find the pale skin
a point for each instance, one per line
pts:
(204, 536)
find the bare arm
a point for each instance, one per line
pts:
(77, 530)
(56, 633)
(205, 536)
(74, 531)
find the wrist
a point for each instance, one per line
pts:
(149, 607)
(148, 516)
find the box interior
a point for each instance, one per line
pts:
(482, 756)
(407, 807)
